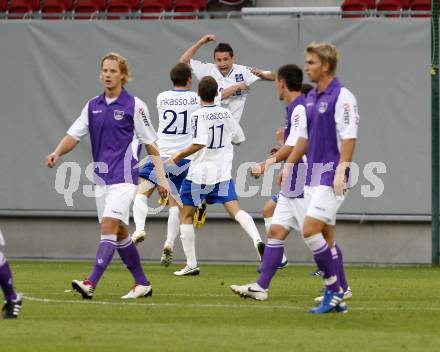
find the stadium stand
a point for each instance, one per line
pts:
(19, 9)
(389, 5)
(53, 10)
(186, 6)
(121, 8)
(85, 10)
(151, 7)
(420, 5)
(354, 6)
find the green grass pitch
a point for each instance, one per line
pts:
(393, 309)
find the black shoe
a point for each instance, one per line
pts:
(12, 308)
(260, 250)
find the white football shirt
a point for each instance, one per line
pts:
(216, 129)
(175, 108)
(239, 73)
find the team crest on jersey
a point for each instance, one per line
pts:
(323, 105)
(239, 77)
(118, 115)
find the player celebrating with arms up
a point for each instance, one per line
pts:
(226, 72)
(209, 176)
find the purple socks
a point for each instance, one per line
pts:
(130, 257)
(272, 257)
(6, 279)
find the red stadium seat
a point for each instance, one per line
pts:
(119, 7)
(185, 6)
(3, 5)
(34, 4)
(52, 10)
(85, 10)
(167, 3)
(420, 5)
(19, 9)
(202, 4)
(405, 4)
(68, 4)
(134, 4)
(389, 5)
(148, 7)
(231, 2)
(355, 6)
(100, 4)
(371, 4)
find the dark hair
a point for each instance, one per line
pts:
(224, 48)
(306, 88)
(292, 75)
(180, 74)
(207, 89)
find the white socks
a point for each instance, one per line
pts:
(248, 224)
(140, 211)
(173, 226)
(315, 242)
(188, 237)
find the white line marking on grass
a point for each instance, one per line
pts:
(257, 305)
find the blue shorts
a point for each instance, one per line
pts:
(193, 194)
(275, 197)
(175, 174)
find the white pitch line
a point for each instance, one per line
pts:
(257, 305)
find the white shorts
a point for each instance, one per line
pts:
(290, 213)
(114, 201)
(2, 239)
(323, 204)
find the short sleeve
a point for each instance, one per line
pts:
(142, 124)
(237, 132)
(249, 77)
(81, 126)
(201, 69)
(346, 115)
(200, 130)
(298, 125)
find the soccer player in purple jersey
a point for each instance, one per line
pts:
(13, 300)
(116, 121)
(332, 123)
(290, 209)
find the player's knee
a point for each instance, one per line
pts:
(109, 228)
(268, 210)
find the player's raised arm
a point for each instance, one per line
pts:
(188, 54)
(265, 75)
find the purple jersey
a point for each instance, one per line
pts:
(331, 117)
(295, 121)
(115, 129)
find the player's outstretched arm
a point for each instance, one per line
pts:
(265, 75)
(188, 55)
(191, 149)
(230, 91)
(297, 153)
(64, 147)
(278, 156)
(153, 152)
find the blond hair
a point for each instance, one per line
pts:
(327, 53)
(123, 65)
